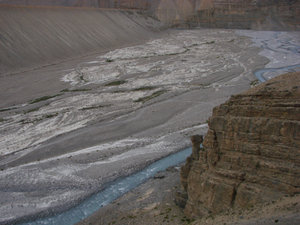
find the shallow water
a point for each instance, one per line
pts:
(281, 48)
(113, 191)
(286, 69)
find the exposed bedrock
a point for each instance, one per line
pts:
(251, 150)
(241, 14)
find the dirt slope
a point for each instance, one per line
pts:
(35, 36)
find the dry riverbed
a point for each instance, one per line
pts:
(153, 201)
(111, 114)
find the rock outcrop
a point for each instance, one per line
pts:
(251, 150)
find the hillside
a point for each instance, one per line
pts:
(36, 36)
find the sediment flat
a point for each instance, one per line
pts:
(123, 110)
(69, 128)
(153, 202)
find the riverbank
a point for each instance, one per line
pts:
(153, 203)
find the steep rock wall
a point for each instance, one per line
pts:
(35, 36)
(117, 4)
(247, 14)
(251, 150)
(241, 14)
(67, 3)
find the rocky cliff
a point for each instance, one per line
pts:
(124, 4)
(66, 3)
(241, 14)
(251, 150)
(247, 14)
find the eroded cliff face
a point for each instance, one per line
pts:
(251, 150)
(247, 14)
(241, 14)
(117, 4)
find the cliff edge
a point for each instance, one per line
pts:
(251, 151)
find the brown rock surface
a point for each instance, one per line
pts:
(251, 151)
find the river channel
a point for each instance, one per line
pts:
(121, 186)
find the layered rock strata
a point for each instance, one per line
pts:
(251, 150)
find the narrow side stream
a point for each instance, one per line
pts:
(114, 191)
(261, 73)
